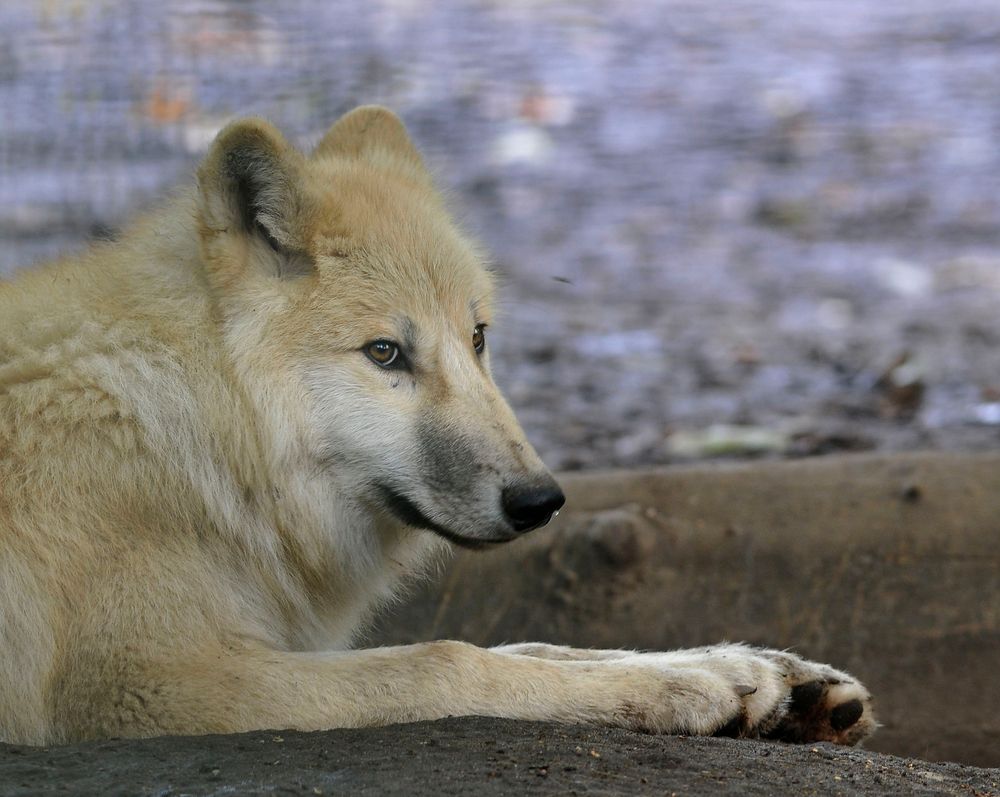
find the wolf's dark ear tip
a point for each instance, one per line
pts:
(251, 130)
(242, 144)
(846, 714)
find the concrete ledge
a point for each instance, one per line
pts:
(887, 566)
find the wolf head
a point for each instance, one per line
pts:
(342, 276)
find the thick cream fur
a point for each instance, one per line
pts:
(188, 428)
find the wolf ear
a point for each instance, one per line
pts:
(248, 191)
(373, 133)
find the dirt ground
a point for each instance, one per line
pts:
(474, 755)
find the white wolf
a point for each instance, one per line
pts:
(227, 437)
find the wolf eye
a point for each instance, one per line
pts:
(479, 338)
(384, 353)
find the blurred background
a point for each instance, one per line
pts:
(751, 228)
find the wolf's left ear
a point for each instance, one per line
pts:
(248, 185)
(372, 133)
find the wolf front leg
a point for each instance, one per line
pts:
(728, 689)
(232, 690)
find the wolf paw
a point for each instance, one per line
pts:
(793, 700)
(823, 704)
(725, 690)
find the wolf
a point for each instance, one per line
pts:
(230, 436)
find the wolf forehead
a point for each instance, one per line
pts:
(365, 227)
(359, 216)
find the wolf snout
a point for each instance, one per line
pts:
(529, 505)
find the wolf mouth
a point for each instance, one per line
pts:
(404, 510)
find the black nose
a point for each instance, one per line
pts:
(531, 504)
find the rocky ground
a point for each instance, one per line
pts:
(752, 228)
(475, 755)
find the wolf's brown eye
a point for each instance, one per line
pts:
(479, 338)
(383, 352)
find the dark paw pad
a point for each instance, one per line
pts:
(734, 728)
(806, 696)
(846, 714)
(811, 718)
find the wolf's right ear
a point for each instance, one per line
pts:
(248, 194)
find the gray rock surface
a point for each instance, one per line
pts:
(473, 756)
